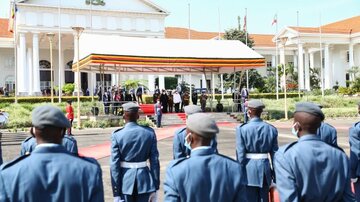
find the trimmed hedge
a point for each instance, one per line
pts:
(149, 98)
(45, 99)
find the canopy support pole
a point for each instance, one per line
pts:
(222, 86)
(190, 81)
(213, 88)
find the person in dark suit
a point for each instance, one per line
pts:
(50, 173)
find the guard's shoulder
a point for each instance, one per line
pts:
(90, 160)
(328, 125)
(148, 128)
(226, 157)
(176, 162)
(286, 148)
(180, 130)
(117, 130)
(356, 125)
(241, 125)
(67, 137)
(13, 162)
(28, 139)
(336, 147)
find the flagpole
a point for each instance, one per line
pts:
(15, 51)
(246, 41)
(60, 54)
(276, 61)
(321, 62)
(189, 34)
(298, 42)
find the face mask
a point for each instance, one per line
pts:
(293, 131)
(187, 144)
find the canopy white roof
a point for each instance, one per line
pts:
(130, 54)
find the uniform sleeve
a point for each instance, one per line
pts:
(354, 140)
(285, 180)
(3, 196)
(334, 137)
(154, 162)
(275, 147)
(240, 146)
(348, 195)
(177, 146)
(98, 195)
(170, 191)
(74, 148)
(115, 167)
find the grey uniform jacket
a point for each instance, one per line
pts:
(29, 144)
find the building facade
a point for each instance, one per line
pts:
(334, 47)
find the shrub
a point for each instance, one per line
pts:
(68, 88)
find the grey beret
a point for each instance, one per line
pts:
(130, 107)
(48, 115)
(202, 124)
(310, 108)
(256, 104)
(192, 109)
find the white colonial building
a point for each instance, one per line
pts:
(34, 19)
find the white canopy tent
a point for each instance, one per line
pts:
(130, 54)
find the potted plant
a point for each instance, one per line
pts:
(219, 106)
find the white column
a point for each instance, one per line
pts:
(92, 82)
(190, 82)
(36, 68)
(312, 60)
(295, 60)
(213, 85)
(151, 83)
(351, 55)
(273, 60)
(203, 79)
(307, 71)
(222, 85)
(30, 68)
(161, 82)
(327, 69)
(282, 62)
(301, 66)
(76, 90)
(61, 70)
(113, 79)
(22, 69)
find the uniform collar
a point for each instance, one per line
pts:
(202, 151)
(49, 148)
(308, 137)
(130, 124)
(256, 119)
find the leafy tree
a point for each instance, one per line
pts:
(315, 78)
(241, 35)
(133, 83)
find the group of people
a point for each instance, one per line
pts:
(313, 168)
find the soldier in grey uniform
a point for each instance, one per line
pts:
(29, 144)
(327, 132)
(180, 149)
(310, 169)
(255, 140)
(50, 173)
(354, 140)
(132, 148)
(205, 175)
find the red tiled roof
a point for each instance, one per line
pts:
(182, 33)
(4, 22)
(340, 27)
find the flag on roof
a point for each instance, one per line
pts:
(13, 10)
(274, 20)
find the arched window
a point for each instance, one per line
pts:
(45, 75)
(44, 64)
(69, 74)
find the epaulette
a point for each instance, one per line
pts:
(177, 161)
(6, 165)
(28, 138)
(287, 147)
(180, 130)
(243, 124)
(117, 130)
(356, 124)
(226, 157)
(69, 138)
(336, 147)
(329, 125)
(89, 159)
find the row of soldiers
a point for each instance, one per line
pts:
(307, 170)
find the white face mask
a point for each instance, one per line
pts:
(293, 131)
(187, 144)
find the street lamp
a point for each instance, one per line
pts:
(50, 36)
(77, 33)
(283, 42)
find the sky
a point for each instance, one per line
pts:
(204, 14)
